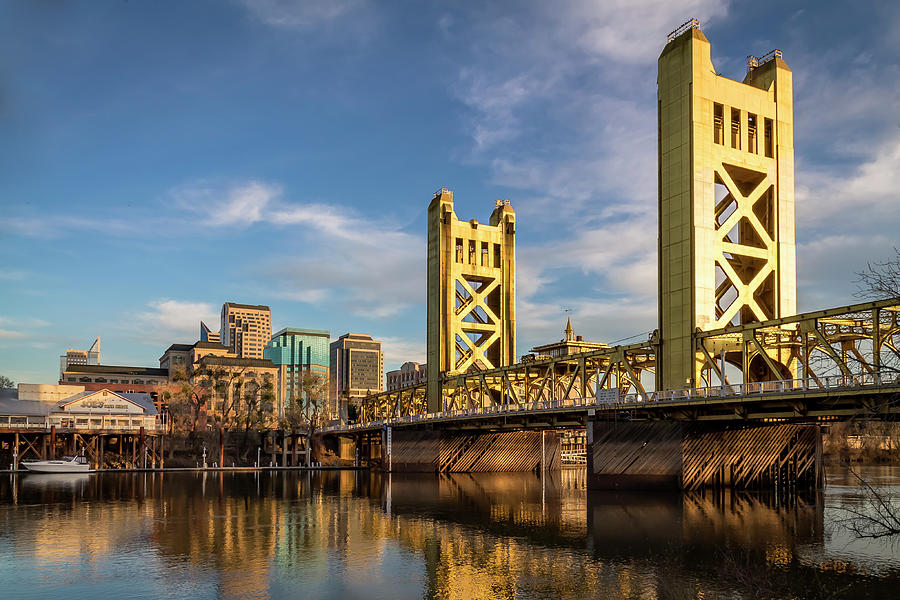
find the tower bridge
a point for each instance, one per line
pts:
(731, 389)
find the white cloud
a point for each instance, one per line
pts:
(7, 334)
(400, 350)
(12, 274)
(239, 205)
(23, 322)
(867, 192)
(300, 14)
(174, 320)
(369, 267)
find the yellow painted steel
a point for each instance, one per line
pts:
(726, 200)
(471, 302)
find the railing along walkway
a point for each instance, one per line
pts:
(607, 398)
(31, 423)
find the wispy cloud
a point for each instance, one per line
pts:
(13, 274)
(399, 350)
(302, 14)
(7, 334)
(368, 266)
(167, 320)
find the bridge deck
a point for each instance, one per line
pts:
(794, 399)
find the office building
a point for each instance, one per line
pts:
(245, 329)
(80, 357)
(409, 373)
(301, 352)
(357, 370)
(208, 335)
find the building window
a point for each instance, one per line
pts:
(751, 133)
(718, 123)
(736, 128)
(770, 146)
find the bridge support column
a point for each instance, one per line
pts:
(456, 452)
(666, 455)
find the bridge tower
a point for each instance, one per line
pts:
(726, 198)
(471, 302)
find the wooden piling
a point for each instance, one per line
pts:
(221, 446)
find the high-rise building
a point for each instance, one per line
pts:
(302, 352)
(80, 357)
(246, 329)
(357, 370)
(208, 335)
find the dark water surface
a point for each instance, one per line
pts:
(347, 535)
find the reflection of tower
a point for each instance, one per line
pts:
(726, 198)
(471, 292)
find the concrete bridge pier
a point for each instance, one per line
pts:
(690, 456)
(447, 451)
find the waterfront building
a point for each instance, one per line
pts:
(90, 356)
(120, 379)
(301, 352)
(357, 370)
(570, 344)
(207, 334)
(409, 373)
(74, 406)
(245, 329)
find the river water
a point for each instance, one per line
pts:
(354, 534)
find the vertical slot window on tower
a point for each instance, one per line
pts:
(736, 128)
(769, 142)
(751, 132)
(718, 124)
(459, 250)
(496, 256)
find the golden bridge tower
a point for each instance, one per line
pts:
(471, 292)
(726, 198)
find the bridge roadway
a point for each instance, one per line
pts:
(866, 395)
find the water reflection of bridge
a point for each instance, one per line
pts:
(458, 535)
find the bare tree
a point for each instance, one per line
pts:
(877, 516)
(880, 279)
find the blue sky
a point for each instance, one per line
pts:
(158, 159)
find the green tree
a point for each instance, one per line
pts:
(6, 382)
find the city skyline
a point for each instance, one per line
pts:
(116, 168)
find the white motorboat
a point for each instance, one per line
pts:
(66, 464)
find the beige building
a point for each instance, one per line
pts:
(357, 370)
(72, 356)
(726, 198)
(210, 360)
(410, 373)
(246, 329)
(570, 344)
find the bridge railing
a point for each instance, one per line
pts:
(611, 397)
(31, 423)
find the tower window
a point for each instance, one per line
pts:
(751, 133)
(769, 142)
(718, 124)
(736, 128)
